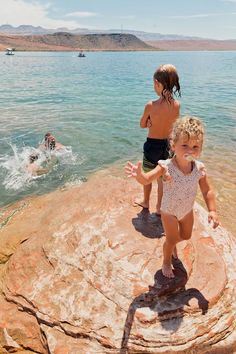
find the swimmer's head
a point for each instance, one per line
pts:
(46, 136)
(33, 157)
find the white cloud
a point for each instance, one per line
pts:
(81, 14)
(20, 12)
(203, 15)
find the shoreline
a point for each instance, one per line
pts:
(83, 50)
(70, 50)
(116, 169)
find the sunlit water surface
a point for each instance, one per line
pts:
(93, 106)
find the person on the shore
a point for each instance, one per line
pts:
(158, 117)
(50, 144)
(181, 175)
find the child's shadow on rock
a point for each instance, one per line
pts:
(168, 298)
(149, 225)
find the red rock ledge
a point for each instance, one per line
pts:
(80, 273)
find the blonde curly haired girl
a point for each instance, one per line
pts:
(181, 176)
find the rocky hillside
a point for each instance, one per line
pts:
(25, 30)
(63, 41)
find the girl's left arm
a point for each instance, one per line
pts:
(209, 197)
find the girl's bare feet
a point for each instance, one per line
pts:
(167, 271)
(142, 203)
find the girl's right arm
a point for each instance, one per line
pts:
(146, 115)
(143, 178)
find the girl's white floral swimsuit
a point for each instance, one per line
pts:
(179, 192)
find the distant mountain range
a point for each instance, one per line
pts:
(32, 38)
(64, 41)
(144, 36)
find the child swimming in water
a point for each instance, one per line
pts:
(181, 176)
(34, 168)
(50, 144)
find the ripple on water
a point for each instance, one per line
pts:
(95, 106)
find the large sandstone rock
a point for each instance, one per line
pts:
(81, 274)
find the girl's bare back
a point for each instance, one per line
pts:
(162, 115)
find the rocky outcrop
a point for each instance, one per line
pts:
(80, 273)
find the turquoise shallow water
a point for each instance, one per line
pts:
(93, 105)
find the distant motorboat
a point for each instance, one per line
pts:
(9, 51)
(81, 55)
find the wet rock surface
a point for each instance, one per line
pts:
(80, 273)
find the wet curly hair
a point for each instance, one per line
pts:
(187, 127)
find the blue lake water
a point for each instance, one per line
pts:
(93, 105)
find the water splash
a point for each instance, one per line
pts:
(16, 175)
(15, 166)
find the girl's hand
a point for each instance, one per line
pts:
(133, 170)
(213, 217)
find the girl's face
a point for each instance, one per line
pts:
(187, 149)
(158, 87)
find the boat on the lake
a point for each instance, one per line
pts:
(10, 51)
(81, 55)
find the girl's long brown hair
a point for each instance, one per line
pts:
(167, 75)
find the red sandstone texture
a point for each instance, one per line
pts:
(80, 273)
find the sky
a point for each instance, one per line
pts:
(214, 19)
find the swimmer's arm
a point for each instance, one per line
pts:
(146, 115)
(209, 197)
(143, 178)
(41, 171)
(37, 171)
(59, 146)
